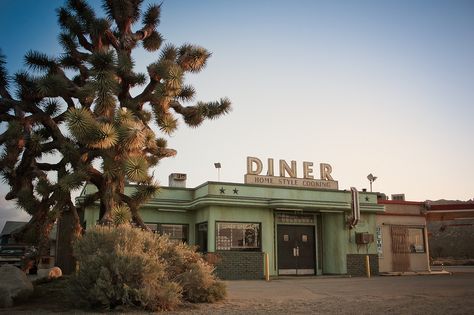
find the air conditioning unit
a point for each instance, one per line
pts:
(364, 238)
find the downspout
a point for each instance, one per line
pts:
(355, 207)
(427, 206)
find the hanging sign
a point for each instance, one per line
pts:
(288, 174)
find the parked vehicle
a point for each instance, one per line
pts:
(21, 256)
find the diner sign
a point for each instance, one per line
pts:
(288, 174)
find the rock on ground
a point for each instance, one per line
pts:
(14, 285)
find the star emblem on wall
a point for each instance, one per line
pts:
(222, 190)
(236, 191)
(367, 198)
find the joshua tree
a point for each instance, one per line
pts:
(79, 107)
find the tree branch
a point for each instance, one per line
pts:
(134, 210)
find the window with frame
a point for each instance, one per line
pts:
(416, 240)
(152, 226)
(238, 236)
(177, 233)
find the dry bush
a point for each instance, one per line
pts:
(200, 285)
(213, 258)
(124, 266)
(120, 266)
(193, 273)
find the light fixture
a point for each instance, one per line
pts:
(218, 166)
(371, 179)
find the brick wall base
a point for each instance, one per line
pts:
(235, 265)
(356, 264)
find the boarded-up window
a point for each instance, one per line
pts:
(400, 248)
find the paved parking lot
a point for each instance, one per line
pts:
(433, 294)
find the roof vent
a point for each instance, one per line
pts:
(177, 180)
(399, 197)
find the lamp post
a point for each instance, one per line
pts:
(218, 166)
(371, 179)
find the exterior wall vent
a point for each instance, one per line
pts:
(177, 180)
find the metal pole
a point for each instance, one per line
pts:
(370, 186)
(367, 266)
(267, 267)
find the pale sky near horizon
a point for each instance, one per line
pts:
(382, 87)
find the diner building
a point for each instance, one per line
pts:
(305, 226)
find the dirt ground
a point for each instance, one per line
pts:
(432, 294)
(440, 294)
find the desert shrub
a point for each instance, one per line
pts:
(193, 273)
(200, 285)
(130, 267)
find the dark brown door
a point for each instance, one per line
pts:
(296, 250)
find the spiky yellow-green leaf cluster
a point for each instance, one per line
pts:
(81, 123)
(121, 215)
(136, 168)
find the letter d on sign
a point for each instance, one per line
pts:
(250, 162)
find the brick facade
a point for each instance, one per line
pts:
(356, 264)
(234, 265)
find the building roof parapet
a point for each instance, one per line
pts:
(400, 202)
(245, 195)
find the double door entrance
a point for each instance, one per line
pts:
(296, 250)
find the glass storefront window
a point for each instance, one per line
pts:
(416, 240)
(176, 232)
(238, 236)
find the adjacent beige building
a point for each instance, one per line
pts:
(401, 237)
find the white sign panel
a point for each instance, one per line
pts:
(289, 174)
(378, 240)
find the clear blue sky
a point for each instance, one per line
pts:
(382, 87)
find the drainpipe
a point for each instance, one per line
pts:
(355, 208)
(427, 249)
(426, 207)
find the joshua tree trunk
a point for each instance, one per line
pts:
(108, 200)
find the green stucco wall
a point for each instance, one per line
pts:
(334, 243)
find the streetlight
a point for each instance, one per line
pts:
(371, 179)
(218, 166)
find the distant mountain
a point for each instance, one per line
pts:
(448, 202)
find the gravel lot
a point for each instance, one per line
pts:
(427, 294)
(432, 294)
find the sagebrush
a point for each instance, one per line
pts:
(125, 266)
